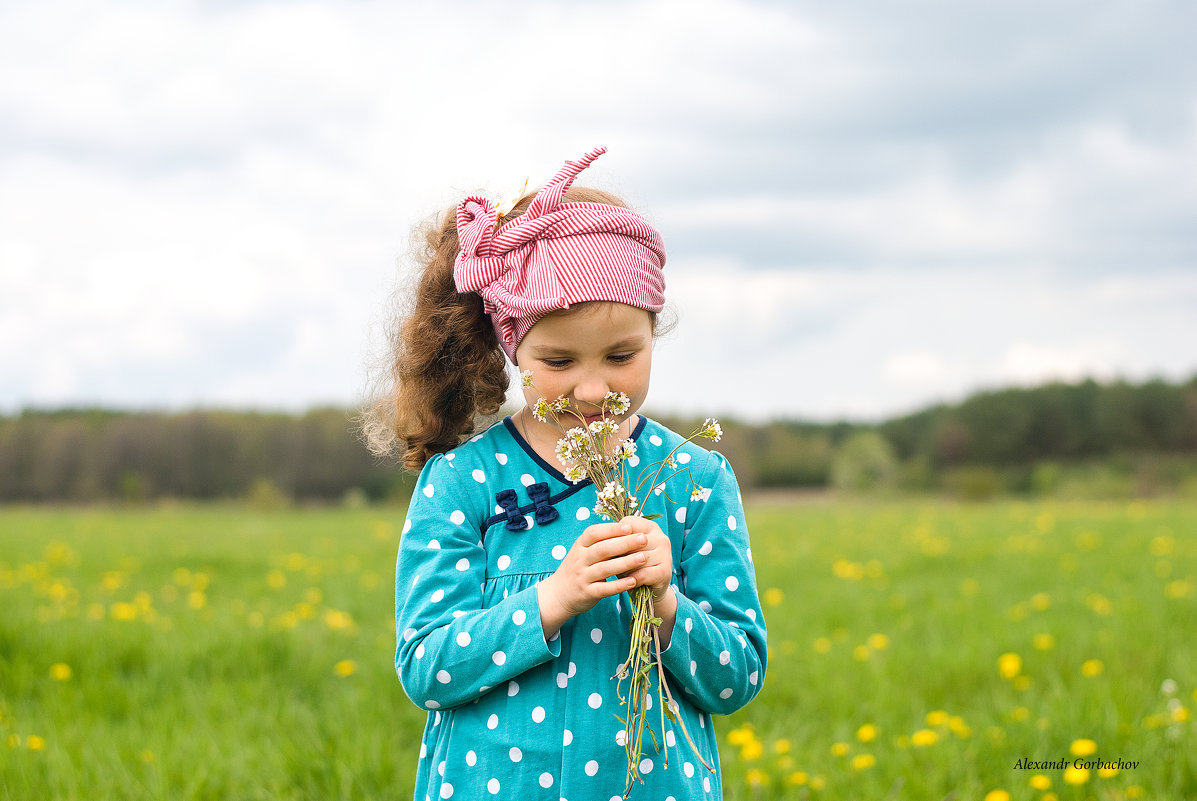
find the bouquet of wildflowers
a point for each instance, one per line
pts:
(595, 452)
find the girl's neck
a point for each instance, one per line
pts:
(542, 437)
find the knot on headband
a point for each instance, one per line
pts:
(556, 254)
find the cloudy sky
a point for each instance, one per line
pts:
(868, 206)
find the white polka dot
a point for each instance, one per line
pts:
(512, 688)
(538, 714)
(748, 553)
(683, 458)
(546, 780)
(458, 613)
(693, 667)
(689, 625)
(407, 525)
(457, 518)
(705, 606)
(706, 548)
(420, 651)
(493, 786)
(471, 758)
(429, 490)
(463, 638)
(572, 669)
(479, 476)
(501, 458)
(463, 564)
(503, 562)
(518, 617)
(498, 509)
(443, 676)
(702, 721)
(634, 461)
(621, 738)
(434, 544)
(591, 768)
(438, 596)
(670, 740)
(515, 754)
(646, 765)
(440, 769)
(559, 552)
(688, 769)
(423, 750)
(450, 456)
(408, 634)
(562, 680)
(725, 693)
(432, 704)
(706, 784)
(680, 514)
(596, 635)
(751, 613)
(527, 480)
(654, 439)
(498, 657)
(446, 790)
(753, 677)
(567, 737)
(731, 522)
(584, 513)
(724, 657)
(530, 520)
(732, 583)
(492, 722)
(595, 700)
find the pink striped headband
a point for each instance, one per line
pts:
(556, 254)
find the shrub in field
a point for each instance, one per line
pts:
(864, 461)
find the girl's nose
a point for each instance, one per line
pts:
(591, 391)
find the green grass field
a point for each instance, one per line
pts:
(918, 650)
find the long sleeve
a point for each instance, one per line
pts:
(717, 653)
(451, 648)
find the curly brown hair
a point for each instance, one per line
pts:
(443, 372)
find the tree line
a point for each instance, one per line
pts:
(1026, 439)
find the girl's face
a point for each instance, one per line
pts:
(582, 355)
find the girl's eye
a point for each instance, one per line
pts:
(622, 358)
(555, 363)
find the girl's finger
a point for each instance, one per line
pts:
(611, 548)
(616, 567)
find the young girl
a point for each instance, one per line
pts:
(512, 610)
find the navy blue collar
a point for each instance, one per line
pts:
(553, 471)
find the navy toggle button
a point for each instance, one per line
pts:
(544, 513)
(511, 507)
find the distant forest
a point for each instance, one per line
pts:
(1088, 439)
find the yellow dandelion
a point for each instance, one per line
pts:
(1009, 665)
(757, 778)
(1107, 772)
(1043, 642)
(863, 761)
(970, 586)
(860, 653)
(740, 736)
(181, 576)
(867, 733)
(1020, 713)
(1180, 714)
(937, 717)
(1134, 791)
(295, 562)
(997, 795)
(751, 750)
(35, 743)
(337, 620)
(14, 741)
(782, 746)
(123, 611)
(1075, 775)
(840, 749)
(774, 597)
(1092, 667)
(1049, 797)
(196, 599)
(817, 782)
(1022, 683)
(797, 778)
(1041, 601)
(1040, 782)
(878, 642)
(923, 738)
(959, 727)
(60, 671)
(346, 667)
(147, 756)
(822, 645)
(276, 579)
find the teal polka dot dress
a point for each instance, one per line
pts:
(513, 716)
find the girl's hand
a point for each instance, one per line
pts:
(634, 549)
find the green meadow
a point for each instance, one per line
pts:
(919, 649)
